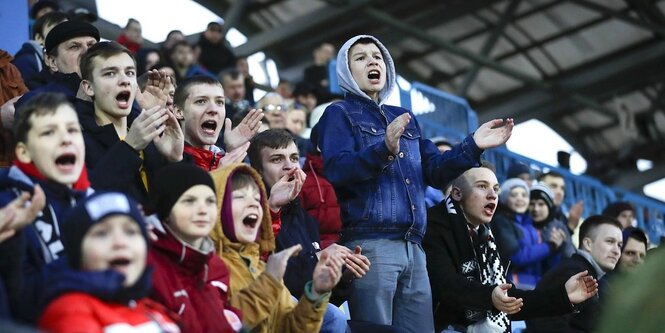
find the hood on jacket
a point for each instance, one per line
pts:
(221, 177)
(346, 81)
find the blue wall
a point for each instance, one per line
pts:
(14, 24)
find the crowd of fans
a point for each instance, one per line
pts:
(146, 190)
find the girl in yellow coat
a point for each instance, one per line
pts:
(242, 233)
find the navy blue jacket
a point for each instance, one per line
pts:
(29, 60)
(67, 84)
(382, 195)
(24, 256)
(298, 228)
(113, 165)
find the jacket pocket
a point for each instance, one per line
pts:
(371, 133)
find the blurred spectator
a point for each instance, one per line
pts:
(600, 240)
(317, 73)
(622, 211)
(64, 46)
(633, 249)
(234, 89)
(637, 300)
(243, 67)
(542, 210)
(146, 59)
(30, 58)
(131, 36)
(42, 7)
(171, 38)
(274, 109)
(285, 89)
(184, 66)
(305, 94)
(82, 14)
(518, 238)
(212, 51)
(11, 89)
(557, 184)
(521, 171)
(432, 195)
(295, 124)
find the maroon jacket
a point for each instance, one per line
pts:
(192, 283)
(319, 199)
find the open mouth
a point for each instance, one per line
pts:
(250, 220)
(65, 162)
(209, 126)
(119, 264)
(374, 74)
(489, 209)
(122, 99)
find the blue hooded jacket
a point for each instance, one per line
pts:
(381, 195)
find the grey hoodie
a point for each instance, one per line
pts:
(346, 81)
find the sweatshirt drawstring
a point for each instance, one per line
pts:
(316, 178)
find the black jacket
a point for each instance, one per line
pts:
(455, 277)
(113, 165)
(587, 312)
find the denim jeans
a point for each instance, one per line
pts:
(396, 290)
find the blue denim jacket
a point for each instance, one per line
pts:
(382, 195)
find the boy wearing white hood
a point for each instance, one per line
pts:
(378, 162)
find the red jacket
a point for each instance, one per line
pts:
(81, 312)
(206, 159)
(319, 199)
(131, 46)
(192, 283)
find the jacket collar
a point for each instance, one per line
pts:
(191, 259)
(587, 256)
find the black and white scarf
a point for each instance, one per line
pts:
(491, 272)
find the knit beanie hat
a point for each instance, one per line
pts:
(614, 209)
(68, 30)
(93, 210)
(508, 186)
(542, 191)
(172, 181)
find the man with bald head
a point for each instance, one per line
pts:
(467, 274)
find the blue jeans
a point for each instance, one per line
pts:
(396, 290)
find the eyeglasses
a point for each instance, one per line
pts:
(274, 108)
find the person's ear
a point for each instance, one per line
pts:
(22, 153)
(586, 244)
(456, 193)
(87, 88)
(178, 112)
(50, 63)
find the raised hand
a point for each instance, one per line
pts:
(327, 273)
(558, 237)
(170, 142)
(276, 265)
(245, 131)
(395, 130)
(146, 127)
(575, 214)
(581, 287)
(505, 303)
(20, 212)
(286, 189)
(493, 133)
(156, 91)
(236, 155)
